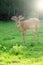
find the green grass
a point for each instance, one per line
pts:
(12, 50)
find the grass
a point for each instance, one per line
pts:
(12, 50)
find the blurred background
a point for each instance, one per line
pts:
(27, 8)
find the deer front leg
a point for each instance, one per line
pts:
(24, 37)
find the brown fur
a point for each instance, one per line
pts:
(26, 25)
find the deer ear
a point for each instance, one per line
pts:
(13, 18)
(20, 17)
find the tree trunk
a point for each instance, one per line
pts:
(9, 12)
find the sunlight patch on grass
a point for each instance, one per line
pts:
(7, 59)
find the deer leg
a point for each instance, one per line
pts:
(24, 37)
(36, 35)
(33, 39)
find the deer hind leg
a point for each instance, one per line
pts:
(36, 35)
(33, 38)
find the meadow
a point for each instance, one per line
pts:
(12, 50)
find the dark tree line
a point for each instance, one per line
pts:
(9, 8)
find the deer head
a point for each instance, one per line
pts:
(17, 19)
(14, 18)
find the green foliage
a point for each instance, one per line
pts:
(17, 50)
(12, 50)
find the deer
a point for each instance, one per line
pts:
(27, 25)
